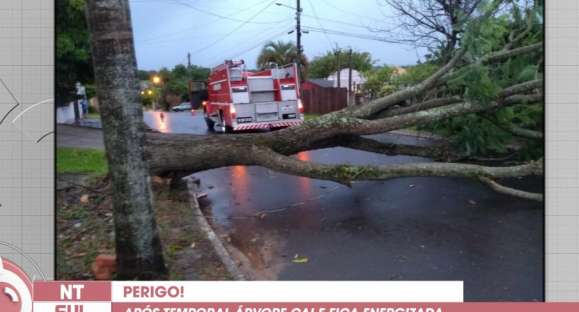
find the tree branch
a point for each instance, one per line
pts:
(517, 131)
(521, 36)
(523, 87)
(429, 104)
(526, 133)
(441, 76)
(511, 191)
(439, 152)
(359, 126)
(346, 174)
(503, 55)
(380, 104)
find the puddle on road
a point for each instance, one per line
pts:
(173, 122)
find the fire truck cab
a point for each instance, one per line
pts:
(243, 100)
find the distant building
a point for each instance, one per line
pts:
(399, 70)
(144, 85)
(317, 83)
(357, 79)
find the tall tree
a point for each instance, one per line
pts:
(379, 82)
(435, 24)
(332, 61)
(138, 247)
(73, 59)
(280, 53)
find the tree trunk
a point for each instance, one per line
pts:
(138, 247)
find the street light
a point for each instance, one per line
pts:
(156, 81)
(298, 32)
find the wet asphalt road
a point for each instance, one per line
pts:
(401, 229)
(183, 122)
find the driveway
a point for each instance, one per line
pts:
(79, 137)
(400, 229)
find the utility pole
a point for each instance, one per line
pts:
(298, 31)
(350, 102)
(189, 81)
(76, 110)
(299, 37)
(338, 66)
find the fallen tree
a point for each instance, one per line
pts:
(170, 153)
(438, 97)
(433, 99)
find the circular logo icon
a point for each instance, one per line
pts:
(15, 288)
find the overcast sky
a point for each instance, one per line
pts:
(215, 30)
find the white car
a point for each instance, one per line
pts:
(185, 106)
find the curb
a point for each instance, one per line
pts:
(220, 250)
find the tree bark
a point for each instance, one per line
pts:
(138, 247)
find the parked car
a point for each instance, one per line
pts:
(185, 106)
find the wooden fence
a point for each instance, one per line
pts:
(324, 100)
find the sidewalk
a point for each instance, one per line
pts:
(79, 137)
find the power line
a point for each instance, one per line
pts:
(263, 36)
(319, 23)
(353, 35)
(337, 21)
(189, 5)
(349, 12)
(183, 32)
(198, 37)
(235, 29)
(259, 44)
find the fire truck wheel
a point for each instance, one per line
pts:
(210, 124)
(224, 128)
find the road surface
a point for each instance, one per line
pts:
(401, 229)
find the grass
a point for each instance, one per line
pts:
(309, 116)
(76, 160)
(92, 116)
(86, 227)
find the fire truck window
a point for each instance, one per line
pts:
(235, 74)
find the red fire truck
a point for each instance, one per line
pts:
(243, 100)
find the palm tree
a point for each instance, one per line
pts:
(138, 246)
(280, 53)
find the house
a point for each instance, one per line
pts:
(357, 79)
(399, 71)
(310, 84)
